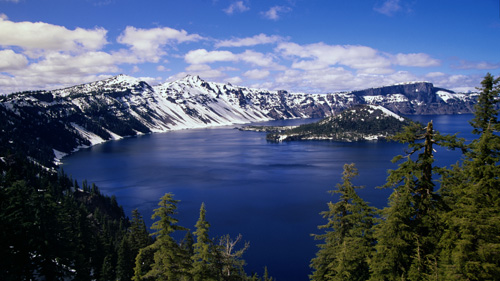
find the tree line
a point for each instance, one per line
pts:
(441, 223)
(53, 228)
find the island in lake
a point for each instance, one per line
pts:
(358, 123)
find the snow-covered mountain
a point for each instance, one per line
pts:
(46, 122)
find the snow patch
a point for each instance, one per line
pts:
(387, 111)
(58, 156)
(93, 138)
(446, 96)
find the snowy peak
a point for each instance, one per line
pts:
(119, 83)
(193, 79)
(126, 106)
(123, 79)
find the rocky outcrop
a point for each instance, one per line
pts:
(60, 121)
(418, 98)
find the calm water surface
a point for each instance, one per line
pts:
(270, 193)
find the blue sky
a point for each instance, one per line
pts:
(315, 46)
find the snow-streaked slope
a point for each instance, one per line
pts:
(387, 112)
(124, 106)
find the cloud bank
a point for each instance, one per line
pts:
(38, 55)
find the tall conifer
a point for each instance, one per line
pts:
(409, 231)
(470, 246)
(169, 263)
(348, 238)
(204, 264)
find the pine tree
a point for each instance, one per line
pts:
(187, 243)
(409, 232)
(136, 238)
(204, 264)
(348, 239)
(471, 242)
(169, 261)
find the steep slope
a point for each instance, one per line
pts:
(417, 98)
(360, 122)
(46, 124)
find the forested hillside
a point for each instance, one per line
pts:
(357, 123)
(440, 223)
(56, 229)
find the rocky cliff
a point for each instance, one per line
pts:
(48, 124)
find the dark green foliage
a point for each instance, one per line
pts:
(348, 239)
(471, 241)
(50, 231)
(170, 262)
(136, 238)
(424, 234)
(35, 123)
(353, 124)
(165, 259)
(205, 266)
(230, 259)
(409, 232)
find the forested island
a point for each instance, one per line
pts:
(440, 223)
(357, 123)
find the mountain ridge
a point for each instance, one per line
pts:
(45, 123)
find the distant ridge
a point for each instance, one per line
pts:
(50, 124)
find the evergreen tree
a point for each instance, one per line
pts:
(170, 263)
(204, 263)
(136, 238)
(187, 243)
(409, 231)
(471, 242)
(348, 239)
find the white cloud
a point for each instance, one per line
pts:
(481, 65)
(363, 59)
(9, 60)
(205, 71)
(234, 80)
(59, 64)
(320, 55)
(148, 44)
(202, 56)
(456, 82)
(256, 74)
(323, 80)
(435, 74)
(237, 6)
(10, 84)
(418, 59)
(161, 68)
(3, 16)
(274, 13)
(39, 36)
(259, 59)
(250, 41)
(388, 8)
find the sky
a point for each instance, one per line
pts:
(312, 46)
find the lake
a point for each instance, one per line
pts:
(271, 193)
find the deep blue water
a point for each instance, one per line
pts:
(270, 193)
